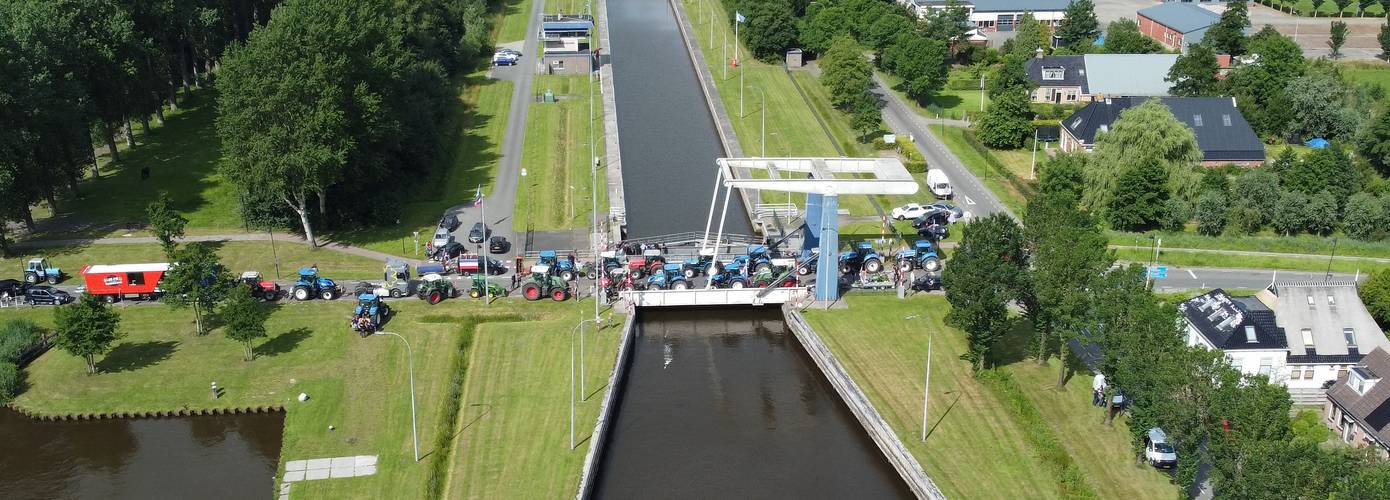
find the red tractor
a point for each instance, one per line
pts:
(261, 288)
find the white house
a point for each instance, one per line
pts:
(1242, 327)
(998, 15)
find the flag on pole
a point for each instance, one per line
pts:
(478, 197)
(738, 17)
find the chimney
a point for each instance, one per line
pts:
(1038, 53)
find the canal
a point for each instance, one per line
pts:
(669, 142)
(189, 457)
(726, 404)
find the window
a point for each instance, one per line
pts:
(1266, 366)
(1296, 373)
(1250, 335)
(1331, 301)
(1308, 374)
(1311, 303)
(1071, 96)
(1226, 120)
(135, 278)
(1196, 120)
(1307, 337)
(1350, 335)
(1054, 73)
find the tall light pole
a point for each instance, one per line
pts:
(926, 386)
(410, 361)
(579, 328)
(593, 173)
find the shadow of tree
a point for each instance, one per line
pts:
(282, 343)
(1014, 346)
(128, 356)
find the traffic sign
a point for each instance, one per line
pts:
(1158, 272)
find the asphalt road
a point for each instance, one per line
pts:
(1186, 278)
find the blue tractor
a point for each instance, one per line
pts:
(669, 277)
(759, 258)
(310, 285)
(731, 276)
(569, 271)
(369, 313)
(863, 256)
(38, 270)
(700, 265)
(922, 256)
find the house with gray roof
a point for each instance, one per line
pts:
(1358, 404)
(1176, 25)
(1222, 133)
(998, 15)
(1085, 78)
(1242, 327)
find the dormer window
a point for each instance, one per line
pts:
(1196, 120)
(1226, 120)
(1362, 379)
(1054, 73)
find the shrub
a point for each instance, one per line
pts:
(16, 337)
(1367, 217)
(1245, 219)
(9, 381)
(1375, 293)
(880, 145)
(1176, 213)
(1322, 214)
(1212, 209)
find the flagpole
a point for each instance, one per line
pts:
(487, 297)
(738, 19)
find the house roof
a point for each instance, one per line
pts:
(1372, 409)
(1124, 75)
(567, 26)
(1222, 132)
(1074, 74)
(1325, 319)
(1182, 17)
(1018, 5)
(126, 268)
(1230, 323)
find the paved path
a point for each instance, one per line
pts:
(325, 468)
(1257, 254)
(286, 237)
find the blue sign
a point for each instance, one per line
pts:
(1158, 272)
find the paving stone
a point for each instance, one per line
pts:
(341, 472)
(343, 462)
(296, 465)
(366, 470)
(320, 463)
(284, 488)
(294, 475)
(362, 460)
(315, 474)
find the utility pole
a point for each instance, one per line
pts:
(982, 92)
(580, 328)
(925, 386)
(487, 299)
(410, 360)
(740, 66)
(1033, 170)
(1328, 277)
(593, 171)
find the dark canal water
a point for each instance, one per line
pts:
(726, 404)
(191, 457)
(669, 143)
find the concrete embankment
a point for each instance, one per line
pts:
(606, 410)
(863, 410)
(613, 160)
(172, 413)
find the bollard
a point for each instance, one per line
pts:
(214, 391)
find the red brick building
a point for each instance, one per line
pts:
(1176, 25)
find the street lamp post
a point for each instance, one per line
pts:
(580, 328)
(762, 110)
(410, 362)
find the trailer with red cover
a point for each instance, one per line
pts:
(125, 281)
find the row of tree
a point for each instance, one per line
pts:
(341, 100)
(849, 79)
(75, 73)
(1056, 268)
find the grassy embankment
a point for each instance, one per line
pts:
(513, 373)
(557, 191)
(237, 256)
(977, 447)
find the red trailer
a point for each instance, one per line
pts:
(125, 281)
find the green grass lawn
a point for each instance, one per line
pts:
(511, 25)
(975, 448)
(1369, 72)
(1328, 9)
(558, 193)
(357, 385)
(1265, 241)
(953, 104)
(954, 138)
(238, 256)
(1224, 260)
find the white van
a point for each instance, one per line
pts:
(1158, 451)
(939, 184)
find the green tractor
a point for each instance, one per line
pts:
(434, 289)
(481, 285)
(542, 283)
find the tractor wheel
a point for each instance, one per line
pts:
(531, 291)
(680, 285)
(873, 265)
(559, 294)
(845, 268)
(567, 275)
(396, 293)
(690, 273)
(301, 293)
(762, 266)
(932, 264)
(327, 295)
(474, 293)
(639, 273)
(737, 284)
(435, 297)
(52, 279)
(31, 278)
(593, 275)
(803, 270)
(905, 265)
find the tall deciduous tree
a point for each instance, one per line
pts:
(1007, 124)
(770, 28)
(983, 277)
(1194, 73)
(1143, 135)
(1122, 36)
(1367, 217)
(950, 23)
(920, 62)
(1292, 215)
(1141, 193)
(821, 28)
(1228, 35)
(1079, 27)
(243, 319)
(1375, 293)
(1337, 38)
(1032, 35)
(86, 329)
(197, 280)
(1259, 88)
(846, 73)
(867, 115)
(1326, 169)
(166, 223)
(1384, 38)
(1374, 143)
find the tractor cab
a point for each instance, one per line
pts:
(261, 288)
(668, 276)
(434, 289)
(369, 313)
(542, 282)
(729, 276)
(311, 285)
(609, 261)
(759, 258)
(922, 255)
(862, 256)
(38, 269)
(548, 257)
(698, 265)
(480, 286)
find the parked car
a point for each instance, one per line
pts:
(909, 211)
(504, 59)
(11, 288)
(442, 238)
(939, 184)
(1158, 451)
(47, 295)
(498, 244)
(450, 222)
(479, 233)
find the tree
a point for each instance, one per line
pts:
(1317, 6)
(983, 277)
(1194, 73)
(1323, 219)
(1212, 208)
(1140, 196)
(1328, 169)
(1258, 189)
(1010, 75)
(951, 23)
(920, 62)
(1122, 36)
(1032, 36)
(1292, 215)
(1007, 123)
(1367, 217)
(770, 29)
(1341, 6)
(1228, 35)
(1259, 88)
(243, 319)
(197, 280)
(1144, 134)
(1317, 102)
(845, 73)
(1375, 293)
(1079, 27)
(1384, 38)
(1374, 143)
(1337, 38)
(165, 222)
(820, 29)
(887, 29)
(86, 329)
(867, 114)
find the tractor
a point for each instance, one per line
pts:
(481, 285)
(310, 285)
(261, 288)
(731, 276)
(768, 278)
(863, 256)
(396, 279)
(38, 270)
(616, 280)
(700, 265)
(570, 271)
(921, 256)
(542, 283)
(650, 262)
(759, 258)
(369, 313)
(434, 289)
(609, 261)
(669, 277)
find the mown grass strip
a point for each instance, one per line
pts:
(1070, 480)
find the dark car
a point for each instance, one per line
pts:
(450, 222)
(478, 233)
(498, 244)
(11, 288)
(43, 294)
